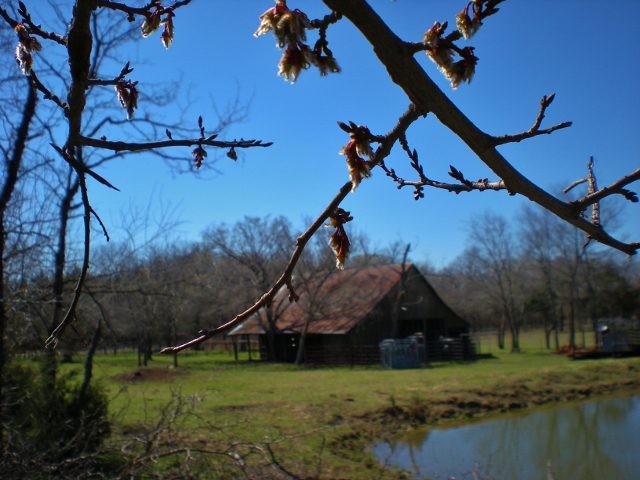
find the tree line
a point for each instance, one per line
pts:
(536, 273)
(149, 296)
(533, 273)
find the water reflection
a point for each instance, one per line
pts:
(588, 441)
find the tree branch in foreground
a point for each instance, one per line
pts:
(47, 93)
(143, 11)
(81, 168)
(535, 128)
(126, 70)
(33, 28)
(285, 278)
(138, 147)
(614, 189)
(397, 56)
(464, 185)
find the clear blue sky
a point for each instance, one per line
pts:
(583, 50)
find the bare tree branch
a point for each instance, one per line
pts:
(464, 185)
(47, 93)
(137, 147)
(616, 188)
(81, 168)
(144, 11)
(397, 56)
(33, 28)
(285, 279)
(126, 70)
(535, 128)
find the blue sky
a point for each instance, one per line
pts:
(582, 50)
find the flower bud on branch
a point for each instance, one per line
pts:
(339, 240)
(167, 31)
(198, 155)
(232, 154)
(441, 51)
(358, 145)
(128, 97)
(289, 27)
(468, 26)
(26, 45)
(153, 21)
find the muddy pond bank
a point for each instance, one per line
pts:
(582, 440)
(457, 406)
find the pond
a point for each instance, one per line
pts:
(586, 441)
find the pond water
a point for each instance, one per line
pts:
(586, 441)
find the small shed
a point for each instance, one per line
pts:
(618, 336)
(347, 314)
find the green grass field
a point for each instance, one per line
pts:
(251, 401)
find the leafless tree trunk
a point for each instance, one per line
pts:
(257, 249)
(492, 263)
(88, 365)
(395, 318)
(11, 170)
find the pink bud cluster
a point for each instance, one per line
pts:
(154, 20)
(338, 240)
(289, 27)
(441, 51)
(26, 45)
(127, 96)
(358, 145)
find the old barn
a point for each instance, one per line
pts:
(345, 315)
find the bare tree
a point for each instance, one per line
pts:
(258, 250)
(541, 239)
(12, 160)
(492, 262)
(400, 294)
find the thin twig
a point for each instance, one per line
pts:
(104, 229)
(535, 128)
(80, 167)
(593, 188)
(144, 11)
(614, 189)
(47, 93)
(574, 184)
(126, 70)
(7, 18)
(468, 186)
(52, 341)
(278, 465)
(137, 147)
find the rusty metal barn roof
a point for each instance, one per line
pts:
(335, 301)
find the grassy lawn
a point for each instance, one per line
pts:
(346, 408)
